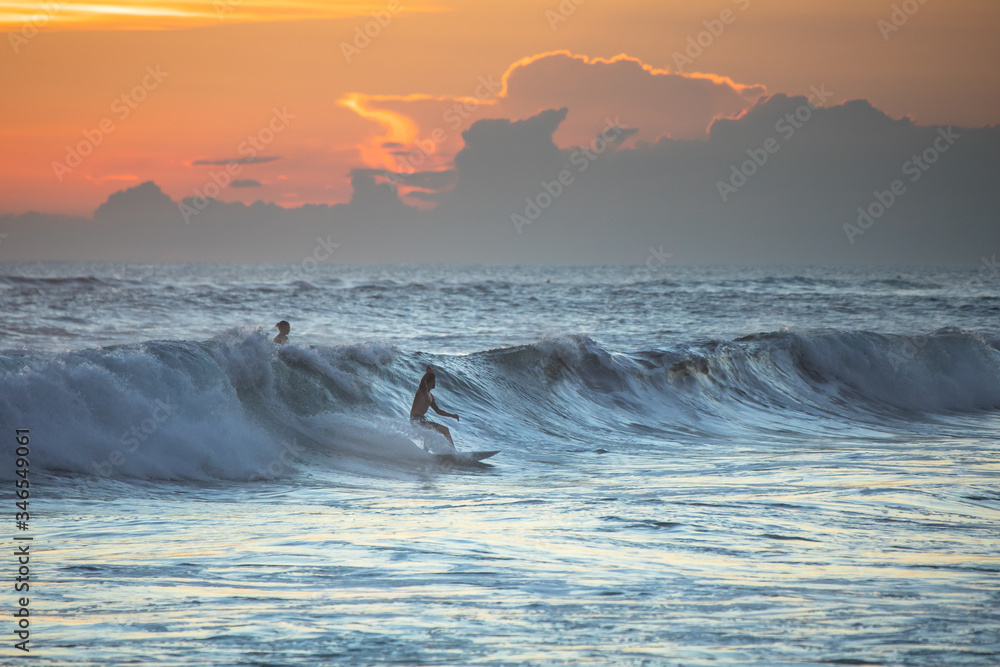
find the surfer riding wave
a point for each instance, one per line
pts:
(423, 400)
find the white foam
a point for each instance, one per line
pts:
(127, 412)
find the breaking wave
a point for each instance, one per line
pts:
(238, 407)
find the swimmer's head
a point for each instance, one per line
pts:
(283, 326)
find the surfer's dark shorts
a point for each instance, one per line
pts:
(422, 420)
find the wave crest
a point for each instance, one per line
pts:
(233, 406)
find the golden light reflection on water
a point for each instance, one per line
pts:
(693, 553)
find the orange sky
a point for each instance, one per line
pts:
(244, 78)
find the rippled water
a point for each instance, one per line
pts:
(699, 466)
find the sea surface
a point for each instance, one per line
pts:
(698, 466)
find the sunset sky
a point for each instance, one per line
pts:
(172, 91)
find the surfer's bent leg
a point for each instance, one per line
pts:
(418, 420)
(443, 430)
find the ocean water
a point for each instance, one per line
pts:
(698, 466)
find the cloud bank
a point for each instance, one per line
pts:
(786, 182)
(418, 131)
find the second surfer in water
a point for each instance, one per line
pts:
(423, 400)
(283, 328)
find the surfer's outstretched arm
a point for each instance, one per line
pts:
(434, 406)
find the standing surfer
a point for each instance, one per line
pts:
(423, 400)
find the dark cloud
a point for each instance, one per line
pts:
(245, 183)
(503, 158)
(782, 184)
(125, 206)
(653, 102)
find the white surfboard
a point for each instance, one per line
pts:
(464, 458)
